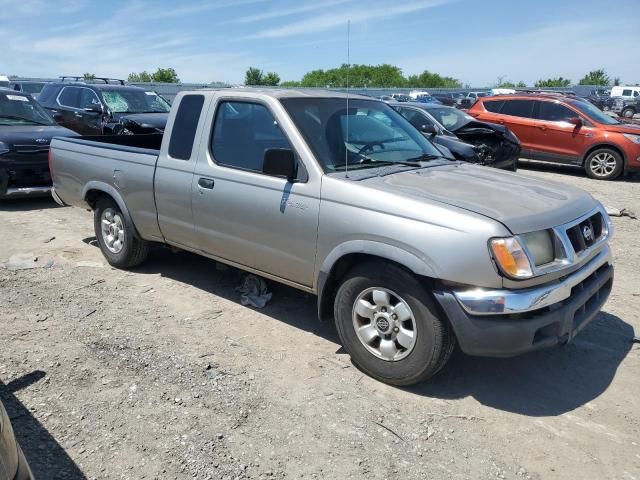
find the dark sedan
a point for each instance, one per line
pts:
(26, 130)
(467, 138)
(13, 465)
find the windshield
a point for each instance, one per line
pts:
(450, 117)
(134, 101)
(594, 113)
(376, 133)
(20, 109)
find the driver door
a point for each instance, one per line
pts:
(243, 216)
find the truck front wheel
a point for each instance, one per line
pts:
(116, 236)
(389, 325)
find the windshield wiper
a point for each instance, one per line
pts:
(377, 163)
(15, 117)
(426, 157)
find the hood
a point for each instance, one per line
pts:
(632, 128)
(522, 204)
(33, 134)
(145, 120)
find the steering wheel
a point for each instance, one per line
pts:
(369, 146)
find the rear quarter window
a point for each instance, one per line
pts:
(184, 127)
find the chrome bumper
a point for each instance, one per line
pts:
(506, 302)
(26, 191)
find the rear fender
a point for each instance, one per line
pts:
(105, 188)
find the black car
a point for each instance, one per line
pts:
(33, 88)
(626, 107)
(26, 130)
(13, 465)
(105, 108)
(467, 138)
(599, 97)
(451, 99)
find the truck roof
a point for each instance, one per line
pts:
(291, 92)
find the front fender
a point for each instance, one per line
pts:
(417, 262)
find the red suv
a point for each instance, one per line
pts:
(567, 130)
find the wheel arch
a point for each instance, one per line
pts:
(94, 190)
(344, 257)
(605, 145)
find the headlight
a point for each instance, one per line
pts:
(4, 148)
(632, 137)
(511, 257)
(540, 247)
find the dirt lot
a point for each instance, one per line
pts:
(161, 373)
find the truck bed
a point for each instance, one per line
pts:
(122, 163)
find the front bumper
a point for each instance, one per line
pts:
(503, 323)
(24, 180)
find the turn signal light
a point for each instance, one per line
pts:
(511, 258)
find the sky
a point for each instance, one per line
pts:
(217, 40)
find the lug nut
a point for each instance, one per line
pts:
(383, 309)
(396, 329)
(394, 316)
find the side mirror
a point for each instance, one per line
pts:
(428, 129)
(577, 121)
(93, 108)
(279, 162)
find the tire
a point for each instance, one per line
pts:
(628, 113)
(432, 338)
(116, 236)
(604, 164)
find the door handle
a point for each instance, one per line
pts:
(77, 114)
(501, 122)
(206, 183)
(542, 127)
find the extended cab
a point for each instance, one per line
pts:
(342, 197)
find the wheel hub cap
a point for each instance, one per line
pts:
(384, 324)
(112, 227)
(603, 164)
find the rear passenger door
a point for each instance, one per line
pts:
(243, 216)
(517, 115)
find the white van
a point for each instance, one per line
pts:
(625, 92)
(4, 81)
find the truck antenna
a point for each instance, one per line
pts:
(346, 149)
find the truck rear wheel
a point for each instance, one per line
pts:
(389, 325)
(116, 236)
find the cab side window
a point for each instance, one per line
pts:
(554, 112)
(242, 131)
(493, 106)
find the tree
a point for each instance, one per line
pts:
(596, 77)
(165, 75)
(521, 84)
(428, 79)
(253, 76)
(161, 75)
(271, 79)
(89, 76)
(616, 82)
(140, 77)
(553, 82)
(290, 83)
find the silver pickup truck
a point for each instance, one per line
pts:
(340, 196)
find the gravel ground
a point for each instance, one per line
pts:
(161, 373)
